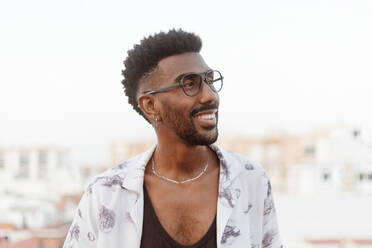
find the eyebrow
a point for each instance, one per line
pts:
(178, 78)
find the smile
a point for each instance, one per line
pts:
(207, 118)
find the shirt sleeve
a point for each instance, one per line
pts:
(83, 232)
(270, 237)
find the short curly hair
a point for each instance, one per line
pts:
(144, 58)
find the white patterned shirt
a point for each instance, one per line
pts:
(110, 213)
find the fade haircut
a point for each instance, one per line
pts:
(143, 59)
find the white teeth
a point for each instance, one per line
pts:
(206, 116)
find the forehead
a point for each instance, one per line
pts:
(176, 65)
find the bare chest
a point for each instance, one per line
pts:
(187, 218)
(186, 213)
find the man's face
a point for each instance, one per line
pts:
(193, 119)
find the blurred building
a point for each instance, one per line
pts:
(322, 160)
(341, 162)
(121, 151)
(337, 243)
(24, 238)
(18, 239)
(33, 180)
(329, 159)
(40, 187)
(38, 172)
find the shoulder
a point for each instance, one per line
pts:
(113, 178)
(239, 161)
(248, 170)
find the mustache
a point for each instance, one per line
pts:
(204, 107)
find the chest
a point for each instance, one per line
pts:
(186, 215)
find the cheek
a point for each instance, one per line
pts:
(217, 99)
(178, 116)
(176, 106)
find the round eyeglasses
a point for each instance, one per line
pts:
(192, 83)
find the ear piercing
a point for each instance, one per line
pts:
(156, 119)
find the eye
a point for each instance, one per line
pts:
(189, 84)
(191, 81)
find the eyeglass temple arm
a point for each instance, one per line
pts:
(221, 78)
(161, 89)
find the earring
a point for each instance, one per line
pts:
(156, 121)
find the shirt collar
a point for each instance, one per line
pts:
(230, 167)
(133, 180)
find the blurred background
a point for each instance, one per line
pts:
(296, 98)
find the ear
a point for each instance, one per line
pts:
(148, 106)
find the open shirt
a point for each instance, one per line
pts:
(110, 213)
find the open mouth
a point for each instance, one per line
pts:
(207, 118)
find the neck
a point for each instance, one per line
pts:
(179, 160)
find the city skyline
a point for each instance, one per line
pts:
(317, 177)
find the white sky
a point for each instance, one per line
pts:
(287, 64)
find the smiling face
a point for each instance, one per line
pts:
(193, 119)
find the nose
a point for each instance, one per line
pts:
(207, 95)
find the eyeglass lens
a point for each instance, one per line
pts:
(192, 82)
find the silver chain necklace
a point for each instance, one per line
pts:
(178, 182)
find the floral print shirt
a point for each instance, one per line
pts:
(110, 213)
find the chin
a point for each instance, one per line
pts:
(199, 135)
(209, 137)
(209, 128)
(201, 139)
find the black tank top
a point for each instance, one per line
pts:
(155, 236)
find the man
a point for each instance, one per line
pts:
(185, 191)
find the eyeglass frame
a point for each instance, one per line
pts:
(180, 83)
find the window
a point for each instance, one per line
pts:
(361, 177)
(43, 169)
(309, 150)
(24, 165)
(365, 177)
(2, 160)
(61, 159)
(326, 176)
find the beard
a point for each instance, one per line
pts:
(185, 128)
